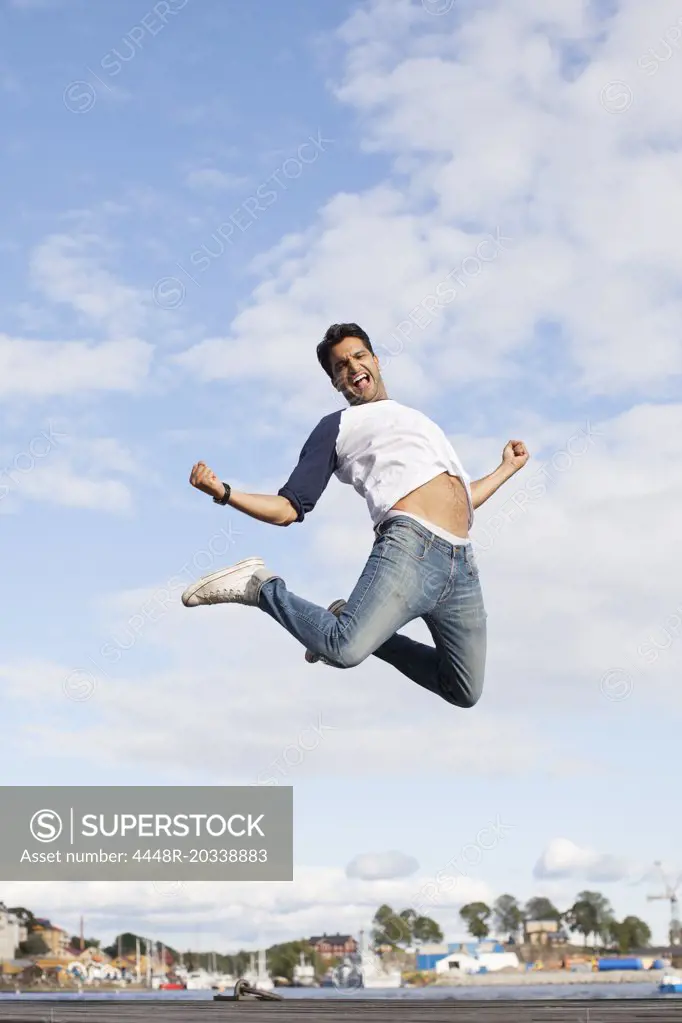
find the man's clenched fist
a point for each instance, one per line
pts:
(205, 479)
(515, 455)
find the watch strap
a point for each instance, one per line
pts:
(226, 496)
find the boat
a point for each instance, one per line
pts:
(670, 984)
(222, 981)
(259, 978)
(373, 973)
(199, 980)
(363, 969)
(346, 975)
(376, 976)
(304, 974)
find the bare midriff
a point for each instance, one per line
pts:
(442, 501)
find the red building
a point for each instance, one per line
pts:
(330, 945)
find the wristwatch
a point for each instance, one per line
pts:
(226, 496)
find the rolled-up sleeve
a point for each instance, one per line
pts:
(316, 464)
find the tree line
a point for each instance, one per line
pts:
(591, 916)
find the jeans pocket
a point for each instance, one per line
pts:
(404, 537)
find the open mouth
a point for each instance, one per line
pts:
(361, 381)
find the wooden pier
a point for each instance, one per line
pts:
(446, 1010)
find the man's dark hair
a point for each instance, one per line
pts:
(334, 334)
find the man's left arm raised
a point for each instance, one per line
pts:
(514, 457)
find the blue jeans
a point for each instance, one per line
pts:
(411, 573)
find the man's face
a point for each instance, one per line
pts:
(355, 372)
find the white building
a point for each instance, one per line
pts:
(499, 961)
(461, 963)
(458, 963)
(11, 933)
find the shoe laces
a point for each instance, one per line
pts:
(223, 593)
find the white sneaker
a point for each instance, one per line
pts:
(239, 584)
(336, 607)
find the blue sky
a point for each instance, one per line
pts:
(338, 161)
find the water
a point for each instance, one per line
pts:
(560, 992)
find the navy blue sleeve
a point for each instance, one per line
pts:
(316, 464)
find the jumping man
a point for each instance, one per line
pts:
(422, 563)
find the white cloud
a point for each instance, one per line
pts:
(562, 529)
(58, 468)
(564, 859)
(292, 731)
(39, 369)
(381, 866)
(213, 180)
(9, 82)
(573, 259)
(59, 483)
(39, 4)
(68, 269)
(231, 915)
(292, 309)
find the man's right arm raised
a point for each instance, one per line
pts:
(300, 493)
(272, 508)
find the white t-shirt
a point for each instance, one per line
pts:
(383, 449)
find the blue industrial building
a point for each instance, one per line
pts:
(427, 960)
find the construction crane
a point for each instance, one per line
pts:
(670, 895)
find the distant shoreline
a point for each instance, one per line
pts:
(532, 978)
(535, 978)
